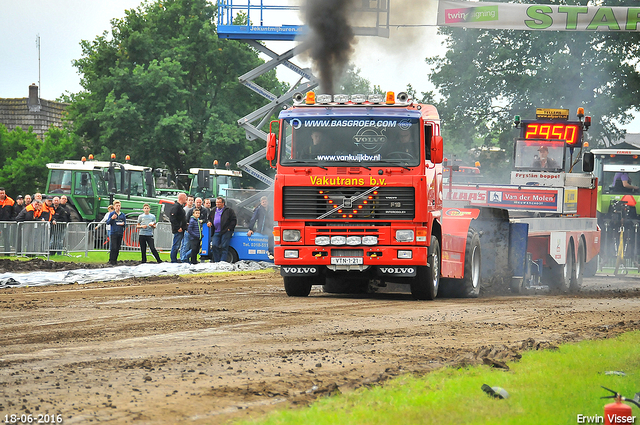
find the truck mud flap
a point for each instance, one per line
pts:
(493, 226)
(299, 271)
(405, 271)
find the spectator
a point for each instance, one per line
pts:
(60, 213)
(222, 221)
(7, 211)
(207, 203)
(185, 249)
(47, 208)
(178, 220)
(19, 206)
(195, 235)
(204, 212)
(32, 212)
(146, 225)
(117, 220)
(38, 196)
(59, 219)
(262, 218)
(27, 200)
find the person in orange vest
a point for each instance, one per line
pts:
(47, 209)
(7, 211)
(33, 212)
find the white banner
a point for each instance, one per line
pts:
(539, 17)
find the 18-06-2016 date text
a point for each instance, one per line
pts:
(42, 418)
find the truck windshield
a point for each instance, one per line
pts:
(614, 171)
(351, 141)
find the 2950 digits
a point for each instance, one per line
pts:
(31, 419)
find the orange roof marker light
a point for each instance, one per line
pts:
(311, 98)
(127, 158)
(90, 157)
(113, 156)
(580, 113)
(391, 98)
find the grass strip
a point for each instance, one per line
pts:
(545, 387)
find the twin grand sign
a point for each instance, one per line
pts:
(537, 16)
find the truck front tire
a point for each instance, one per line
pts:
(297, 286)
(425, 285)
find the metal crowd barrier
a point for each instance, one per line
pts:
(44, 238)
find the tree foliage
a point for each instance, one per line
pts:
(489, 76)
(23, 163)
(164, 89)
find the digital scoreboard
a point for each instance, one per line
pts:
(570, 132)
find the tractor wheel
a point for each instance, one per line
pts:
(425, 285)
(297, 286)
(232, 256)
(74, 216)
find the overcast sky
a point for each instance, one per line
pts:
(390, 63)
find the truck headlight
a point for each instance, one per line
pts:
(290, 253)
(338, 240)
(404, 235)
(369, 240)
(291, 235)
(406, 255)
(354, 240)
(323, 240)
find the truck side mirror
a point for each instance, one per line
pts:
(271, 147)
(588, 163)
(436, 149)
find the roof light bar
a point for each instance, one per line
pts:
(323, 98)
(341, 98)
(358, 98)
(376, 98)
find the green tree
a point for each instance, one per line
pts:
(164, 89)
(23, 165)
(489, 76)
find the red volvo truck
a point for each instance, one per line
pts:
(358, 201)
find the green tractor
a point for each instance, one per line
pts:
(618, 206)
(90, 186)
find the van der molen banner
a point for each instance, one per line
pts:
(551, 17)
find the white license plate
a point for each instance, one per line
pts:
(339, 261)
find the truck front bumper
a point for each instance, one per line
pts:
(396, 261)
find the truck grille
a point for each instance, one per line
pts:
(316, 203)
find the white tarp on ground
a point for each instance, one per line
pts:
(81, 276)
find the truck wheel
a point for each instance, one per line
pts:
(232, 256)
(297, 286)
(469, 285)
(591, 267)
(561, 274)
(578, 269)
(425, 285)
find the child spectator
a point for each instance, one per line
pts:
(146, 225)
(195, 235)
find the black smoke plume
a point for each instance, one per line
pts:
(331, 38)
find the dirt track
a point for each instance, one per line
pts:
(212, 349)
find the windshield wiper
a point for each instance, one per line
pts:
(396, 161)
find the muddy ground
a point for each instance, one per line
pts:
(213, 349)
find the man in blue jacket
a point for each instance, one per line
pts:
(117, 220)
(222, 221)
